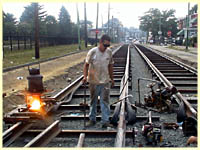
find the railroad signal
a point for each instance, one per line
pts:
(169, 33)
(96, 31)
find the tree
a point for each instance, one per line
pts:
(115, 22)
(82, 27)
(65, 25)
(74, 30)
(150, 21)
(155, 20)
(169, 22)
(89, 24)
(9, 23)
(194, 9)
(51, 26)
(27, 19)
(24, 28)
(115, 29)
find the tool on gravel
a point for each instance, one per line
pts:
(151, 131)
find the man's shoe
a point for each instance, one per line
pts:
(90, 123)
(105, 125)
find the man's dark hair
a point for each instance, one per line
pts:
(105, 37)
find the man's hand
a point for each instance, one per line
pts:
(112, 83)
(84, 81)
(85, 73)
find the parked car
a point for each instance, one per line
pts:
(151, 41)
(179, 41)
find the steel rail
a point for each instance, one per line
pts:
(77, 133)
(68, 91)
(68, 117)
(46, 136)
(81, 140)
(63, 93)
(187, 67)
(121, 128)
(167, 83)
(10, 135)
(114, 51)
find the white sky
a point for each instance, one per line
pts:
(127, 12)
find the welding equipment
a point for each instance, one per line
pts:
(161, 98)
(35, 95)
(152, 132)
(35, 89)
(35, 83)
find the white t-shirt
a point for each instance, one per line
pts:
(98, 65)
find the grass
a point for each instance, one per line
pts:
(18, 57)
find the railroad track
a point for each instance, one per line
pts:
(64, 124)
(69, 107)
(173, 72)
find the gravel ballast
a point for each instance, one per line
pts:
(174, 138)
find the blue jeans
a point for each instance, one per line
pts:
(102, 90)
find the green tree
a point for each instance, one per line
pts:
(9, 23)
(169, 22)
(114, 28)
(24, 28)
(82, 27)
(27, 19)
(51, 26)
(65, 25)
(74, 30)
(115, 23)
(89, 24)
(194, 9)
(154, 20)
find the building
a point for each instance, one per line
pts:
(182, 25)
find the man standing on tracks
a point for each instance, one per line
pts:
(98, 71)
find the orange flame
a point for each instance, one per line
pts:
(34, 102)
(35, 105)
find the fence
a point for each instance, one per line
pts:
(17, 42)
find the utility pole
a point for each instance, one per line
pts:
(102, 20)
(79, 41)
(160, 32)
(118, 33)
(97, 22)
(37, 53)
(112, 31)
(188, 18)
(86, 38)
(108, 19)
